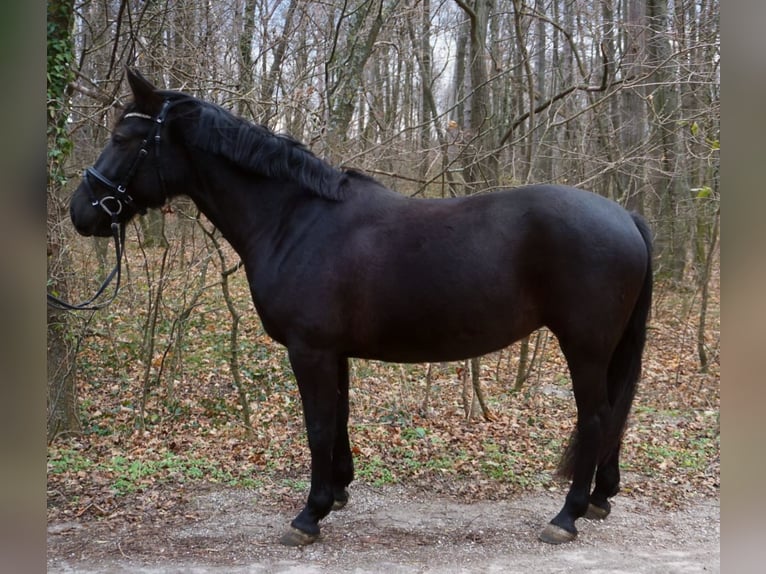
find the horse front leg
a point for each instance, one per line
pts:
(318, 374)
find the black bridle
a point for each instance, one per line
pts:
(114, 204)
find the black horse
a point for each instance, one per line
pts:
(339, 266)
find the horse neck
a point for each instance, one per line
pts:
(244, 206)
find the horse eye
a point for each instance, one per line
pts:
(119, 139)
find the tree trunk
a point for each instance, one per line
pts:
(426, 81)
(542, 167)
(458, 87)
(352, 47)
(478, 391)
(269, 83)
(523, 369)
(704, 284)
(530, 144)
(633, 116)
(481, 166)
(670, 183)
(153, 229)
(62, 396)
(246, 86)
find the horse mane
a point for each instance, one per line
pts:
(258, 149)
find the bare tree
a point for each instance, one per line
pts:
(481, 161)
(671, 186)
(63, 415)
(355, 32)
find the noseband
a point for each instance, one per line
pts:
(114, 204)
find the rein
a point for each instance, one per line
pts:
(118, 233)
(113, 206)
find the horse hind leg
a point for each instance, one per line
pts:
(593, 412)
(622, 380)
(342, 459)
(607, 485)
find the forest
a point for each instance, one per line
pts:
(434, 98)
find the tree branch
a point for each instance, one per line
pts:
(467, 9)
(552, 100)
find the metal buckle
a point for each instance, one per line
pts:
(105, 207)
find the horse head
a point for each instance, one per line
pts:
(135, 170)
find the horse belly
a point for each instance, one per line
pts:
(428, 332)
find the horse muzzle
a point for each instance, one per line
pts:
(94, 219)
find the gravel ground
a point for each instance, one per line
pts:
(390, 529)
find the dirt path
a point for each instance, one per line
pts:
(392, 530)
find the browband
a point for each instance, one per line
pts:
(138, 115)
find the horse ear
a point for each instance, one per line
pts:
(145, 94)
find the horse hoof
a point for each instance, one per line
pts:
(340, 502)
(553, 534)
(596, 512)
(294, 537)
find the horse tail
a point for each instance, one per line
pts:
(624, 368)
